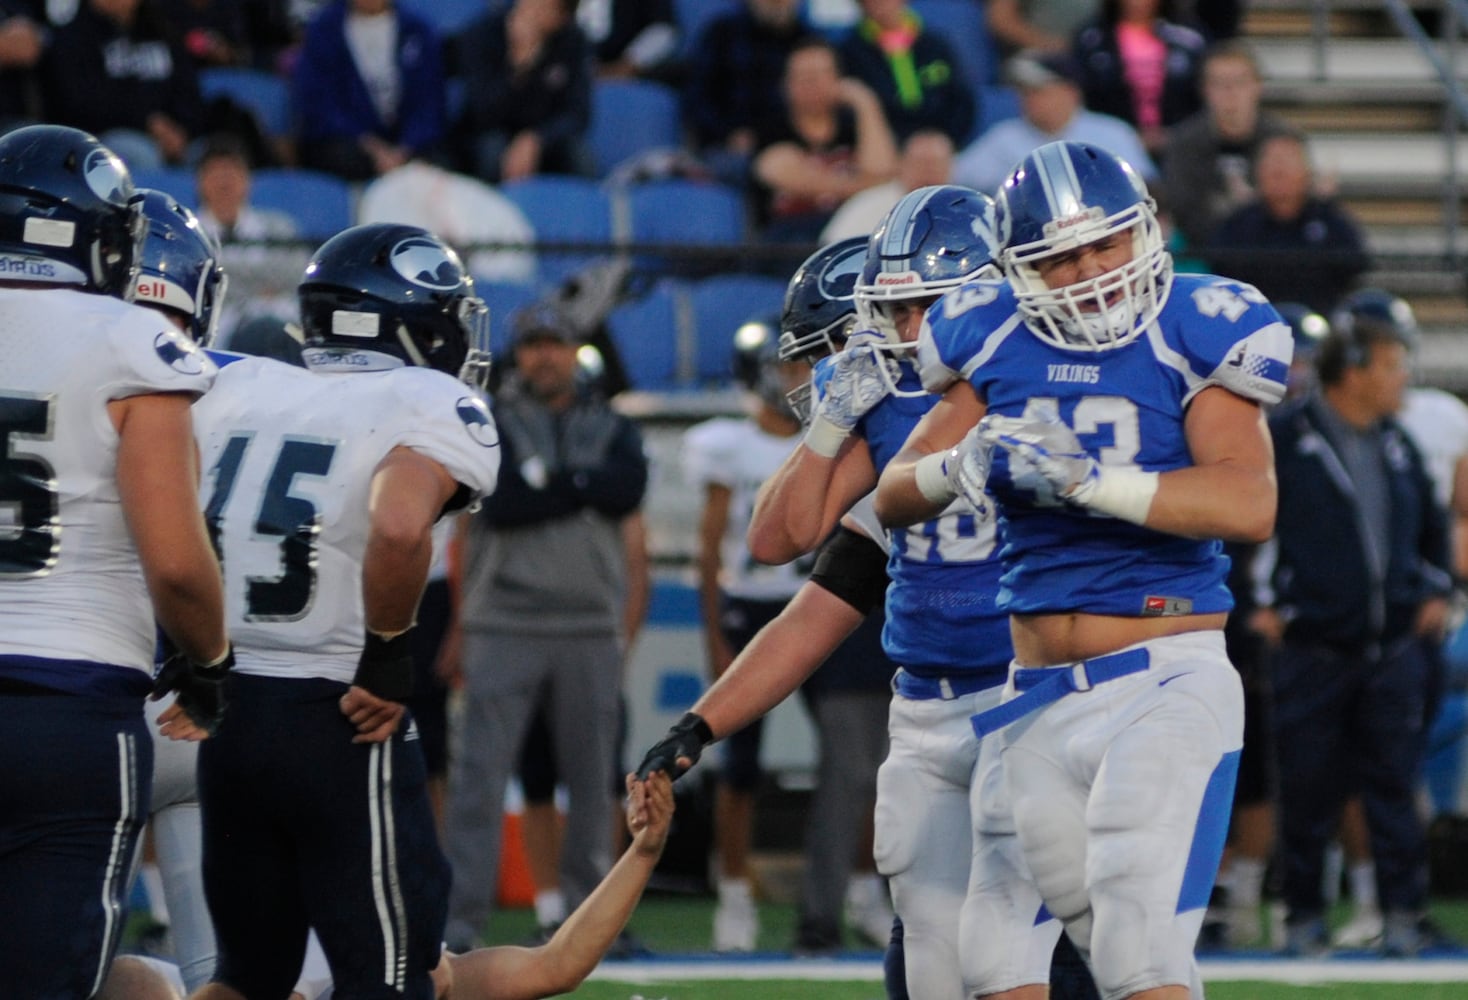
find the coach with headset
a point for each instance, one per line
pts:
(1355, 594)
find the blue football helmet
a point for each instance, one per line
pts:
(69, 214)
(820, 302)
(390, 295)
(1065, 195)
(1307, 327)
(933, 239)
(179, 266)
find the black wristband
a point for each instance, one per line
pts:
(694, 723)
(386, 666)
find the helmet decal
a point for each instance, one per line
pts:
(426, 262)
(107, 177)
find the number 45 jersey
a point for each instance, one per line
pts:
(1127, 407)
(288, 458)
(70, 584)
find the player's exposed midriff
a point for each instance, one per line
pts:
(1051, 639)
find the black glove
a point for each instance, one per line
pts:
(200, 688)
(386, 666)
(687, 738)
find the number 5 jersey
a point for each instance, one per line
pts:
(71, 588)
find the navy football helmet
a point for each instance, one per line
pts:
(393, 294)
(1307, 327)
(1379, 309)
(758, 364)
(69, 214)
(179, 266)
(933, 239)
(1065, 195)
(820, 303)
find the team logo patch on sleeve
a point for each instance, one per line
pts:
(478, 422)
(179, 354)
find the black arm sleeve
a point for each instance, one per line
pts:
(852, 567)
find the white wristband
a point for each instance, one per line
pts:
(824, 438)
(931, 474)
(1123, 493)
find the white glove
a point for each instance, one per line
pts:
(961, 471)
(1051, 448)
(860, 376)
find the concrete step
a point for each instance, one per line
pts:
(1400, 162)
(1355, 60)
(1314, 117)
(1300, 23)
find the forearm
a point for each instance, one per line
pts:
(408, 491)
(899, 502)
(1235, 503)
(786, 523)
(581, 942)
(780, 658)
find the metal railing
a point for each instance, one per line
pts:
(1441, 54)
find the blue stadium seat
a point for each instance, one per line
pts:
(177, 181)
(320, 203)
(962, 23)
(693, 15)
(720, 306)
(263, 93)
(563, 210)
(999, 102)
(686, 212)
(652, 338)
(452, 16)
(503, 299)
(630, 117)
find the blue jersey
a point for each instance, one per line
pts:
(1127, 407)
(941, 612)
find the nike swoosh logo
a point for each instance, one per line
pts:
(1169, 680)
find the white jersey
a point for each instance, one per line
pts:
(1438, 424)
(288, 457)
(71, 587)
(737, 454)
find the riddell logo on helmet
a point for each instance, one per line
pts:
(905, 278)
(153, 290)
(1084, 217)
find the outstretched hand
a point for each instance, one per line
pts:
(649, 811)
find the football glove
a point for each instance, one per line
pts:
(860, 375)
(961, 471)
(1052, 449)
(386, 666)
(200, 688)
(687, 738)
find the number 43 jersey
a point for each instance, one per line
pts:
(1127, 406)
(288, 458)
(71, 588)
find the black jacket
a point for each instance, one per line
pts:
(1320, 564)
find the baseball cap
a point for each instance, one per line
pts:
(1033, 68)
(541, 320)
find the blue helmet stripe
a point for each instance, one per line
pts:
(1057, 175)
(897, 242)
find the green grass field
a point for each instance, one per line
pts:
(674, 925)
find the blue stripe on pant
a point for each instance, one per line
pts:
(1209, 835)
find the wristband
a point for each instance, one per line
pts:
(1120, 492)
(931, 475)
(824, 438)
(697, 725)
(386, 666)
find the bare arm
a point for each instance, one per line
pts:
(408, 492)
(899, 502)
(800, 504)
(563, 962)
(711, 527)
(876, 147)
(157, 483)
(1009, 26)
(1458, 515)
(778, 659)
(1229, 491)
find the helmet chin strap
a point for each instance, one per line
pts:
(415, 356)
